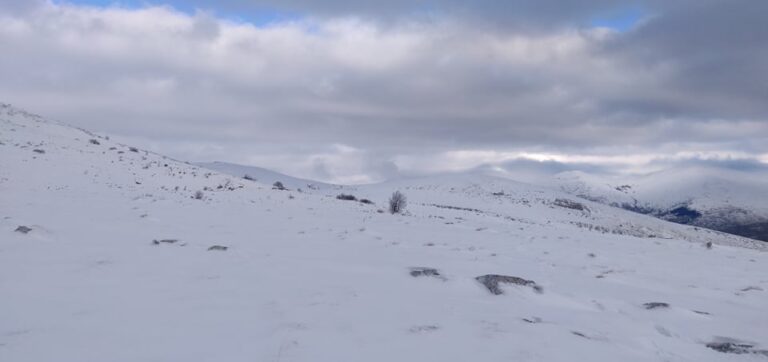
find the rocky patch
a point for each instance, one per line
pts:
(731, 345)
(492, 281)
(569, 204)
(655, 305)
(164, 241)
(23, 229)
(425, 272)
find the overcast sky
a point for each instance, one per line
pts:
(360, 91)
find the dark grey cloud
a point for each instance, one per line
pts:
(19, 6)
(713, 55)
(353, 99)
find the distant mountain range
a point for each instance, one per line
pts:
(726, 200)
(731, 201)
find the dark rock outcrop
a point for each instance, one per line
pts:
(569, 204)
(492, 281)
(23, 229)
(655, 305)
(425, 272)
(727, 345)
(164, 241)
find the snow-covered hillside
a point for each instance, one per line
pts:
(110, 253)
(728, 200)
(267, 177)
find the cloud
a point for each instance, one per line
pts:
(402, 93)
(734, 164)
(710, 53)
(491, 13)
(538, 172)
(16, 7)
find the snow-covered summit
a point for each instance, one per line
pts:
(729, 200)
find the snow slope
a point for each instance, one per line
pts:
(266, 176)
(727, 200)
(307, 277)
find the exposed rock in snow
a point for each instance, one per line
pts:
(570, 204)
(655, 305)
(425, 272)
(23, 229)
(165, 241)
(492, 281)
(735, 346)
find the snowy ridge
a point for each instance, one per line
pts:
(266, 176)
(727, 200)
(122, 262)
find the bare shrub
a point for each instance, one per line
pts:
(278, 186)
(198, 195)
(346, 197)
(226, 186)
(397, 203)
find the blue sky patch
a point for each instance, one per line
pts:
(620, 19)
